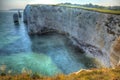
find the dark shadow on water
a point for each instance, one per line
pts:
(16, 23)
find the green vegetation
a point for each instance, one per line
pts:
(102, 10)
(96, 9)
(91, 74)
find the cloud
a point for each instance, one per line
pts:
(43, 2)
(109, 2)
(8, 4)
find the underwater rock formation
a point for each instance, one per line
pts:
(93, 32)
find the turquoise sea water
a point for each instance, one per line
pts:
(48, 54)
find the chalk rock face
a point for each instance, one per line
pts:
(93, 32)
(115, 53)
(15, 18)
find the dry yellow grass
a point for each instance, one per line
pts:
(93, 74)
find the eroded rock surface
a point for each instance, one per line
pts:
(92, 32)
(115, 53)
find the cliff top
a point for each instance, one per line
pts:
(117, 12)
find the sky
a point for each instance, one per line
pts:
(12, 4)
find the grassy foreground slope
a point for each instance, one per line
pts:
(92, 74)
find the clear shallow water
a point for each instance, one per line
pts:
(48, 54)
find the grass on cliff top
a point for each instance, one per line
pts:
(117, 12)
(94, 9)
(92, 74)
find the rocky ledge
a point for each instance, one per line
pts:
(93, 32)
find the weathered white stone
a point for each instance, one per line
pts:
(92, 31)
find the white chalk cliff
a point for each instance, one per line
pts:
(93, 32)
